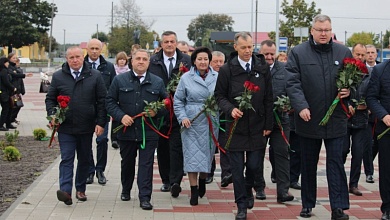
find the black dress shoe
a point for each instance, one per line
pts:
(370, 179)
(226, 180)
(285, 198)
(165, 187)
(241, 214)
(115, 145)
(90, 178)
(3, 129)
(125, 197)
(260, 194)
(251, 202)
(209, 179)
(64, 197)
(296, 185)
(145, 205)
(101, 178)
(11, 126)
(386, 215)
(305, 213)
(338, 214)
(175, 190)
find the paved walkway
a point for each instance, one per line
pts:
(39, 201)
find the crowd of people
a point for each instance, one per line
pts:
(186, 141)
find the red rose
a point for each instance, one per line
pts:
(247, 84)
(183, 69)
(256, 88)
(63, 104)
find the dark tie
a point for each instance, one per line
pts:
(77, 74)
(170, 66)
(140, 77)
(93, 65)
(248, 70)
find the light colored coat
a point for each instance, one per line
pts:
(190, 95)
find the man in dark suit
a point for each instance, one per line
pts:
(278, 149)
(86, 115)
(126, 98)
(165, 64)
(314, 66)
(248, 143)
(107, 70)
(378, 100)
(372, 150)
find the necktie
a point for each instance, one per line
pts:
(77, 74)
(139, 78)
(170, 66)
(247, 68)
(93, 65)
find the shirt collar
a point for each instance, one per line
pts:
(166, 57)
(97, 62)
(243, 63)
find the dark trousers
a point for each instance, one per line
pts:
(224, 161)
(101, 153)
(370, 152)
(163, 158)
(295, 157)
(175, 157)
(5, 114)
(14, 113)
(128, 151)
(384, 171)
(335, 173)
(242, 186)
(281, 161)
(361, 139)
(70, 144)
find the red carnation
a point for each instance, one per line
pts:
(167, 103)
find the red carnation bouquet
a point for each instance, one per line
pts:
(244, 102)
(59, 116)
(349, 77)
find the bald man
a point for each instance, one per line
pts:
(107, 70)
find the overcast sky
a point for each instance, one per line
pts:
(79, 19)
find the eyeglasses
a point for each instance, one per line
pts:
(323, 31)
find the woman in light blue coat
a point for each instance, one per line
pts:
(194, 88)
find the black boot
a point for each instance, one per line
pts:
(202, 187)
(194, 195)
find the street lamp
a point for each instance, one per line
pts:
(51, 34)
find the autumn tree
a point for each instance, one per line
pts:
(205, 23)
(126, 21)
(23, 21)
(362, 38)
(298, 14)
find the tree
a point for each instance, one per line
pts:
(127, 20)
(362, 38)
(204, 23)
(298, 14)
(44, 42)
(23, 21)
(103, 37)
